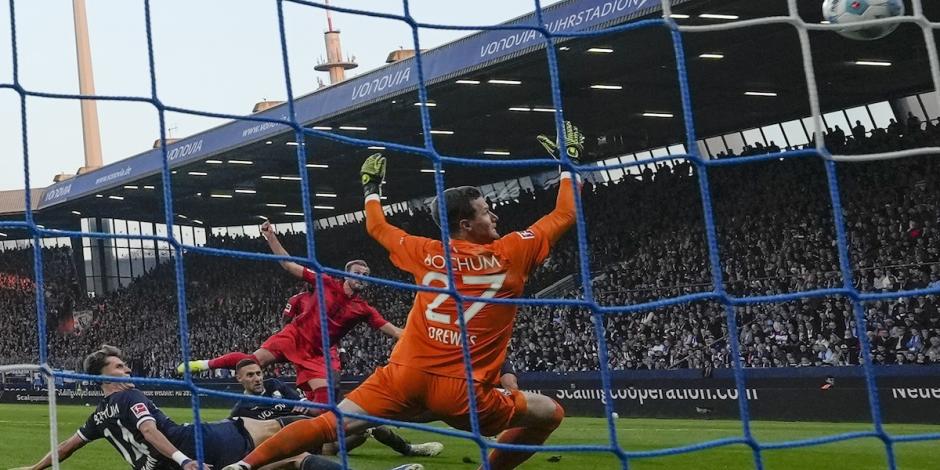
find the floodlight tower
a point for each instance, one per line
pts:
(334, 54)
(86, 86)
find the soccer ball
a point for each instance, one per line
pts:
(846, 12)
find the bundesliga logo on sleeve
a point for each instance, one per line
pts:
(139, 410)
(526, 234)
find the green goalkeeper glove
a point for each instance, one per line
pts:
(373, 174)
(574, 143)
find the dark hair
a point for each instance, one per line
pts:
(245, 363)
(457, 200)
(95, 362)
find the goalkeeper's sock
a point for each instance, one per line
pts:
(229, 361)
(505, 459)
(294, 439)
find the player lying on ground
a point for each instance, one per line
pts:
(149, 440)
(251, 376)
(426, 370)
(299, 342)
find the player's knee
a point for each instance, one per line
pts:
(557, 416)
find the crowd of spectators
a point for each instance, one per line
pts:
(646, 239)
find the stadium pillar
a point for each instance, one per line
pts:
(86, 86)
(901, 106)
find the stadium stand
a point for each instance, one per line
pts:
(776, 237)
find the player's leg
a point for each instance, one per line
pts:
(379, 393)
(317, 390)
(536, 417)
(352, 441)
(388, 437)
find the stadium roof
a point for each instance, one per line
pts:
(236, 172)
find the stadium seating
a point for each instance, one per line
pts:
(646, 240)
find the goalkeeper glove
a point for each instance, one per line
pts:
(373, 174)
(574, 143)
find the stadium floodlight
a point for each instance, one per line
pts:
(658, 115)
(500, 81)
(3, 234)
(149, 186)
(322, 128)
(197, 221)
(292, 143)
(326, 208)
(76, 212)
(182, 216)
(373, 147)
(429, 104)
(221, 196)
(270, 177)
(468, 82)
(716, 16)
(275, 204)
(441, 132)
(711, 55)
(240, 162)
(564, 48)
(245, 191)
(607, 87)
(520, 109)
(214, 162)
(544, 110)
(98, 195)
(116, 198)
(321, 165)
(600, 50)
(760, 93)
(353, 128)
(325, 194)
(679, 16)
(496, 152)
(873, 63)
(291, 178)
(431, 170)
(298, 214)
(197, 173)
(131, 186)
(268, 142)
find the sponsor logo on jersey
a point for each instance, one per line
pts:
(139, 410)
(526, 234)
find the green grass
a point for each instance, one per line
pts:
(24, 439)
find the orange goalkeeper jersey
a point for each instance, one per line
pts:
(431, 339)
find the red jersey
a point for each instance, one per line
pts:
(431, 339)
(343, 313)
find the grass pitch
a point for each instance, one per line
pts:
(24, 438)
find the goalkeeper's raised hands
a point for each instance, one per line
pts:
(574, 143)
(372, 174)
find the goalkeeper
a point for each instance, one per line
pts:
(426, 372)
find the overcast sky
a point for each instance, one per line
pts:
(211, 55)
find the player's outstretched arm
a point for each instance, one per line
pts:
(164, 446)
(559, 220)
(66, 449)
(373, 174)
(267, 230)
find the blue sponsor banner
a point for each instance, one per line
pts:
(478, 50)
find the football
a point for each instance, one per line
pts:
(848, 12)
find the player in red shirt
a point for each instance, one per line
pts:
(426, 370)
(300, 341)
